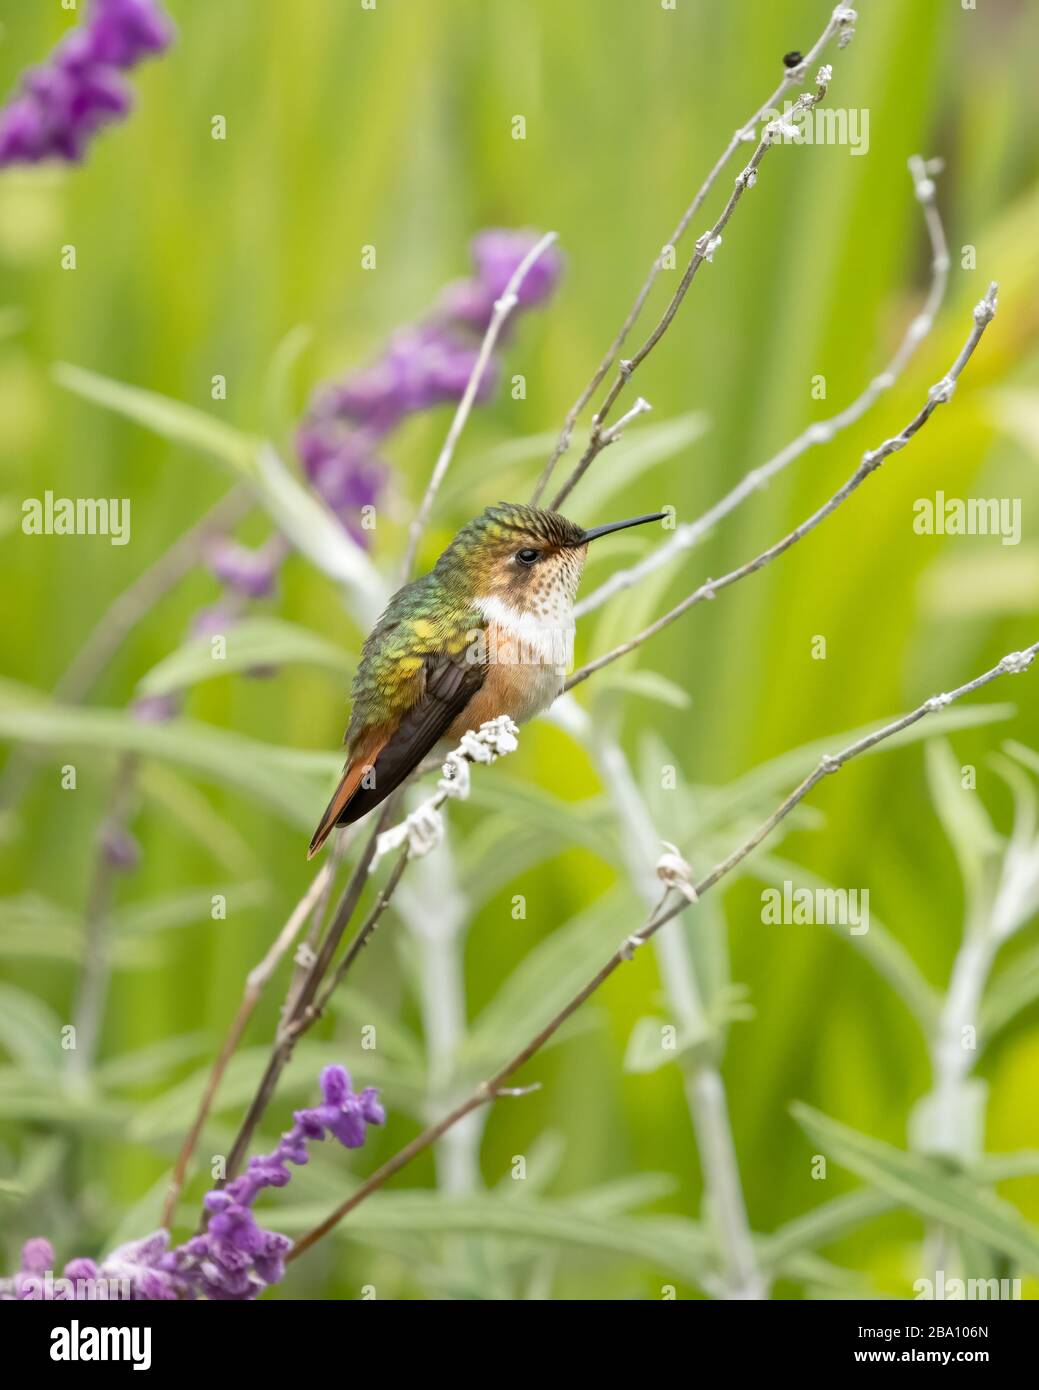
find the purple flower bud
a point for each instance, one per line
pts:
(122, 32)
(154, 709)
(37, 1256)
(248, 572)
(213, 621)
(497, 254)
(469, 302)
(120, 849)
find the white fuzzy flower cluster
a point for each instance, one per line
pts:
(423, 829)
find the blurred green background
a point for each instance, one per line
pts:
(392, 127)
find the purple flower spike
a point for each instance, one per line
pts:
(497, 254)
(62, 105)
(122, 32)
(235, 1258)
(422, 366)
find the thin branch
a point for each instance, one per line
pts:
(286, 1038)
(255, 983)
(418, 833)
(984, 312)
(841, 21)
(503, 307)
(706, 246)
(820, 431)
(673, 902)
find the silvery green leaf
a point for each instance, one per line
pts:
(287, 783)
(179, 423)
(248, 643)
(925, 1186)
(651, 685)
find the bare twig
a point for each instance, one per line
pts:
(415, 835)
(706, 246)
(820, 431)
(255, 983)
(286, 1037)
(984, 312)
(503, 307)
(671, 904)
(841, 21)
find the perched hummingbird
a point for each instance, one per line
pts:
(489, 631)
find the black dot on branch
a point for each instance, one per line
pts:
(791, 60)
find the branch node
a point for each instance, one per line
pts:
(985, 311)
(626, 950)
(676, 872)
(937, 702)
(501, 1092)
(828, 763)
(942, 390)
(1016, 662)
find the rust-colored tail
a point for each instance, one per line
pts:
(344, 794)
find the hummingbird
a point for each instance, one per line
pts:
(488, 631)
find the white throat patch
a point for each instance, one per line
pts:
(547, 637)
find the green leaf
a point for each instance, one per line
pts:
(249, 643)
(185, 909)
(34, 928)
(1008, 993)
(281, 408)
(925, 1187)
(649, 684)
(199, 819)
(780, 774)
(830, 1222)
(585, 823)
(640, 448)
(293, 508)
(885, 952)
(180, 424)
(963, 816)
(261, 771)
(1021, 1163)
(545, 979)
(30, 1031)
(670, 1243)
(145, 1065)
(645, 1051)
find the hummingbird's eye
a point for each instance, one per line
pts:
(527, 556)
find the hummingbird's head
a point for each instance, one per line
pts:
(527, 557)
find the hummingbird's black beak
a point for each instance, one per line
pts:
(598, 531)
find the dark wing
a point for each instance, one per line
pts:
(448, 686)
